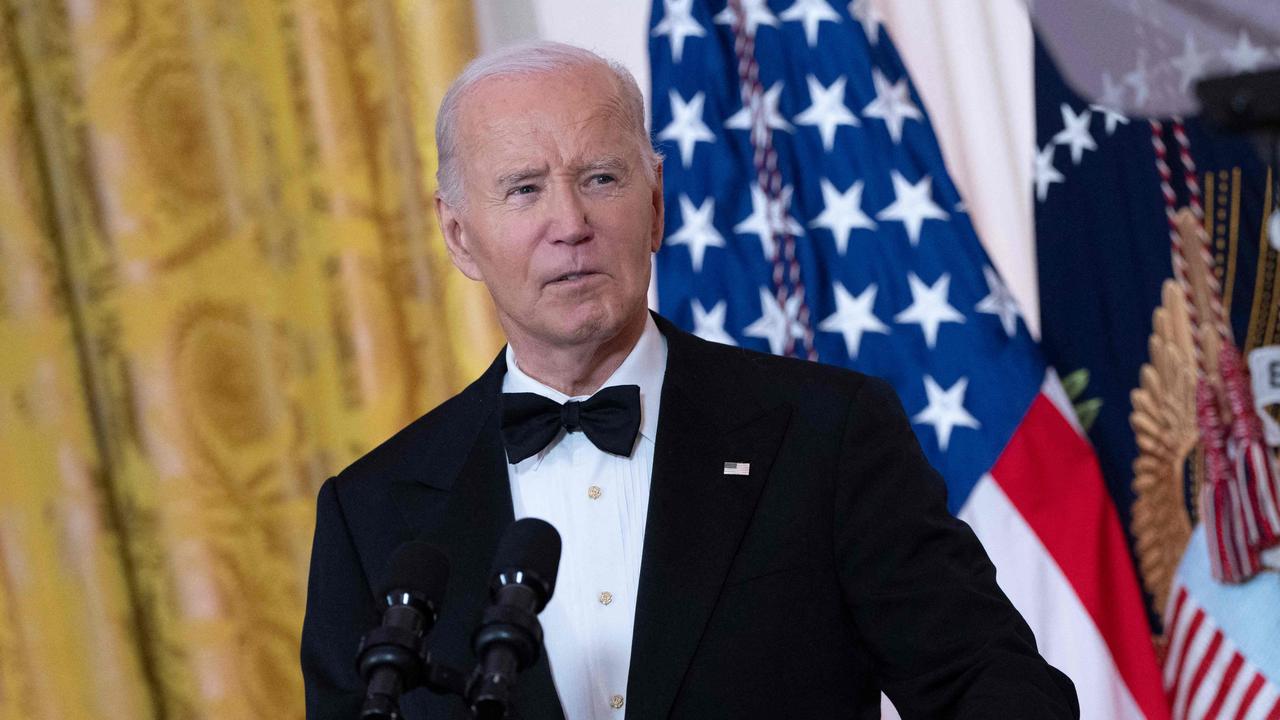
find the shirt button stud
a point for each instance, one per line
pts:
(593, 492)
(606, 597)
(615, 702)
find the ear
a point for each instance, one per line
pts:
(455, 238)
(655, 232)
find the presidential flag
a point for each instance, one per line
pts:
(1107, 183)
(809, 213)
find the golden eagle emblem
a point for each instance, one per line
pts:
(1169, 469)
(1164, 426)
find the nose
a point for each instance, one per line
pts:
(569, 222)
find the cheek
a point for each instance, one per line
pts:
(505, 255)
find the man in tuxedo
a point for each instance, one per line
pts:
(745, 536)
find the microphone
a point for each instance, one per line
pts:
(392, 657)
(509, 638)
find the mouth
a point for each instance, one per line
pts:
(573, 277)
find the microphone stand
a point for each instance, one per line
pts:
(486, 695)
(395, 659)
(408, 655)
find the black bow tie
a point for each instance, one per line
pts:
(610, 419)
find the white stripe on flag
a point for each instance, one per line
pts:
(1263, 703)
(1180, 627)
(1195, 653)
(1231, 705)
(1203, 695)
(1052, 388)
(1064, 631)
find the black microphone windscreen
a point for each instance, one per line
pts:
(420, 568)
(531, 545)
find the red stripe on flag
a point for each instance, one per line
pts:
(1051, 476)
(1171, 623)
(1254, 688)
(1224, 687)
(1181, 660)
(1209, 656)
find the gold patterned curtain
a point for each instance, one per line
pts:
(220, 281)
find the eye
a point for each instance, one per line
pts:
(522, 190)
(603, 179)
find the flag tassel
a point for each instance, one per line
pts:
(1240, 493)
(1221, 502)
(1254, 465)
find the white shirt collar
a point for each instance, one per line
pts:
(645, 366)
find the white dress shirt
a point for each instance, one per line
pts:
(598, 502)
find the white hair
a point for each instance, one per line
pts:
(534, 58)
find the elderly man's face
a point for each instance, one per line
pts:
(559, 217)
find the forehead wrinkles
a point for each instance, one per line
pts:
(537, 135)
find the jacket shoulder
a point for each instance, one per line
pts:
(778, 376)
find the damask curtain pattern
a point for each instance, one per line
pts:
(220, 281)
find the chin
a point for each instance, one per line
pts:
(589, 331)
(590, 325)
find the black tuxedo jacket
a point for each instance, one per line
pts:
(832, 571)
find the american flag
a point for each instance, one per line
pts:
(809, 213)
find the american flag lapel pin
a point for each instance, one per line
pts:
(737, 468)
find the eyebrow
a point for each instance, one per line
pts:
(608, 162)
(519, 176)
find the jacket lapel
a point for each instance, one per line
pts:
(697, 518)
(463, 510)
(697, 514)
